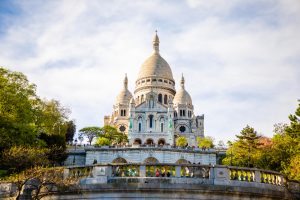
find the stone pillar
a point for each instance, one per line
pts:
(257, 176)
(178, 171)
(212, 173)
(66, 173)
(142, 171)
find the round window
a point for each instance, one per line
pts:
(182, 129)
(122, 128)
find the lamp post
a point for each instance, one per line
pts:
(75, 142)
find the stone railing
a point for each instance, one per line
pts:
(218, 175)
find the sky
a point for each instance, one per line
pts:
(240, 58)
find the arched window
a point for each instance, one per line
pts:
(175, 113)
(183, 113)
(140, 124)
(150, 121)
(160, 98)
(166, 99)
(121, 112)
(124, 112)
(142, 98)
(161, 127)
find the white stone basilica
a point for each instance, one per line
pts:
(157, 113)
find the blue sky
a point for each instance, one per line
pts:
(240, 58)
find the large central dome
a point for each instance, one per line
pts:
(155, 65)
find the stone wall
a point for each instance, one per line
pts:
(139, 155)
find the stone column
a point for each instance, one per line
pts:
(178, 171)
(66, 173)
(142, 171)
(257, 176)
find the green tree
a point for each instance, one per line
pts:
(19, 106)
(244, 152)
(206, 142)
(181, 141)
(19, 158)
(102, 141)
(91, 132)
(113, 135)
(71, 129)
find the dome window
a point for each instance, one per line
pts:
(160, 98)
(148, 80)
(182, 129)
(165, 81)
(165, 99)
(160, 80)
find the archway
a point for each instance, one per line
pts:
(137, 141)
(119, 160)
(182, 161)
(151, 160)
(149, 141)
(161, 142)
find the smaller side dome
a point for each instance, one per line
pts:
(182, 96)
(125, 95)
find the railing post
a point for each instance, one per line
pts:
(178, 171)
(142, 171)
(257, 176)
(66, 173)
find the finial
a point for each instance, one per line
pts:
(182, 81)
(156, 43)
(125, 81)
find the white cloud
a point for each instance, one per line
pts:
(240, 68)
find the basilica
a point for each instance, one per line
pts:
(156, 113)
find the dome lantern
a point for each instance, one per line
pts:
(156, 43)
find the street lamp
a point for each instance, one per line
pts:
(75, 142)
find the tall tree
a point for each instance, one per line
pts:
(206, 142)
(71, 129)
(90, 132)
(244, 151)
(181, 141)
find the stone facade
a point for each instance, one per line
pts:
(156, 113)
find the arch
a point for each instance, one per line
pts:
(150, 141)
(150, 121)
(119, 160)
(166, 99)
(137, 141)
(151, 160)
(182, 161)
(161, 141)
(160, 98)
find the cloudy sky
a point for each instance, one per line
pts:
(240, 58)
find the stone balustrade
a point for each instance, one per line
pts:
(219, 174)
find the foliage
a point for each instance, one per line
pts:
(42, 181)
(32, 130)
(243, 152)
(109, 132)
(279, 153)
(181, 141)
(19, 108)
(206, 142)
(90, 132)
(71, 129)
(102, 141)
(19, 158)
(113, 135)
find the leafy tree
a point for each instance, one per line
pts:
(113, 135)
(19, 158)
(181, 141)
(90, 132)
(18, 107)
(102, 141)
(71, 129)
(43, 181)
(206, 142)
(244, 151)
